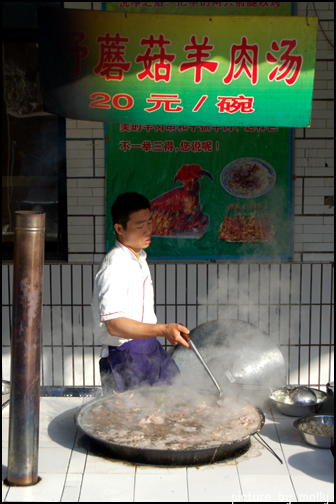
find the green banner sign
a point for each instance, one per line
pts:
(178, 70)
(216, 192)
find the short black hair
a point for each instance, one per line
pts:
(125, 205)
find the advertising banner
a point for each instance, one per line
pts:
(216, 192)
(178, 69)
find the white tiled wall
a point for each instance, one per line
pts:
(314, 151)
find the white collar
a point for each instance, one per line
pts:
(142, 253)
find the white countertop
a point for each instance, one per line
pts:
(72, 474)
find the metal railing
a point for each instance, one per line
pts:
(291, 302)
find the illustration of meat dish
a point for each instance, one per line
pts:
(247, 178)
(179, 211)
(238, 226)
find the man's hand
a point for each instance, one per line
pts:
(173, 334)
(131, 329)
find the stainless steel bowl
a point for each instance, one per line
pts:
(318, 440)
(299, 410)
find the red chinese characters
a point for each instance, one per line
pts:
(169, 146)
(112, 63)
(233, 104)
(125, 145)
(200, 51)
(289, 63)
(146, 145)
(185, 146)
(243, 58)
(166, 100)
(80, 51)
(176, 91)
(161, 61)
(196, 145)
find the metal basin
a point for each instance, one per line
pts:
(318, 440)
(298, 410)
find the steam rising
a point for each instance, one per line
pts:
(251, 357)
(168, 418)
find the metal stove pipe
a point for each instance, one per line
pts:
(26, 348)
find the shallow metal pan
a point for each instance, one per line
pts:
(161, 456)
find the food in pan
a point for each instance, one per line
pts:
(160, 420)
(239, 226)
(248, 178)
(317, 428)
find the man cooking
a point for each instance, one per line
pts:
(123, 306)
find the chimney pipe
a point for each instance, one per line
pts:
(26, 348)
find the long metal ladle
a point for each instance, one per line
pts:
(232, 380)
(200, 358)
(227, 373)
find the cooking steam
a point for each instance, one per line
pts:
(170, 418)
(238, 349)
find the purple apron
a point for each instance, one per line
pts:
(141, 362)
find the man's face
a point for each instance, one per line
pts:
(137, 234)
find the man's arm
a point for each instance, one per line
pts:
(123, 327)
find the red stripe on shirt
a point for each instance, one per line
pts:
(143, 299)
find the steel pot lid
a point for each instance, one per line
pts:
(250, 355)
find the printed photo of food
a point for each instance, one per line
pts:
(248, 178)
(243, 226)
(178, 212)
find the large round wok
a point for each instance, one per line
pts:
(251, 357)
(245, 351)
(163, 456)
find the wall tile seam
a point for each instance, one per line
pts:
(308, 216)
(80, 192)
(327, 29)
(306, 238)
(87, 215)
(317, 199)
(94, 158)
(325, 60)
(80, 139)
(297, 216)
(314, 177)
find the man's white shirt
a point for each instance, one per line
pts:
(123, 288)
